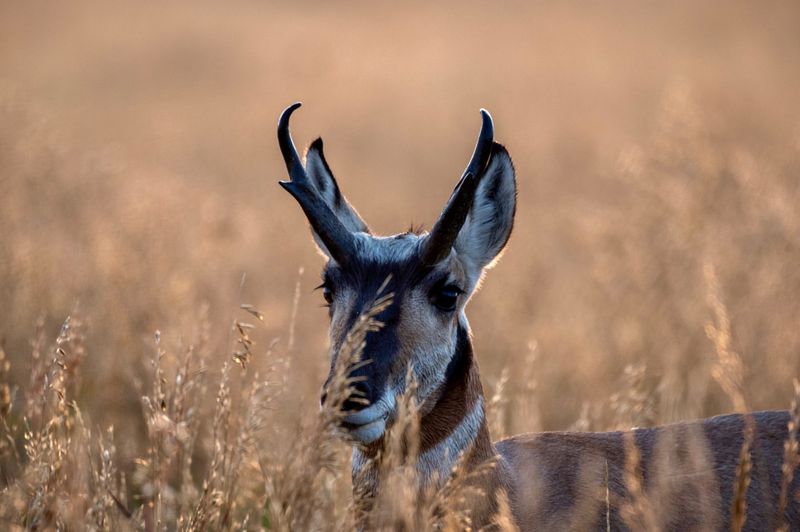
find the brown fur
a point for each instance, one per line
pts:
(694, 494)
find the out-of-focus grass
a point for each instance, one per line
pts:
(652, 144)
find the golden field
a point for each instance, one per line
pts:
(653, 274)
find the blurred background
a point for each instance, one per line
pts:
(657, 148)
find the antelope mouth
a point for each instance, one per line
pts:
(367, 432)
(369, 424)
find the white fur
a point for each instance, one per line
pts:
(426, 343)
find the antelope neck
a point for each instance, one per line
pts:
(456, 424)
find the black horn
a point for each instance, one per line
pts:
(440, 241)
(483, 148)
(438, 244)
(339, 242)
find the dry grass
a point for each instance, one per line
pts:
(791, 459)
(653, 274)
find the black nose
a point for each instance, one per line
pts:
(359, 399)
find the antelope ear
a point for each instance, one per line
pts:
(322, 178)
(491, 218)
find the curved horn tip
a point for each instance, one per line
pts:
(487, 120)
(288, 112)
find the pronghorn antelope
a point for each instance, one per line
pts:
(553, 480)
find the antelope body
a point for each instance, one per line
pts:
(674, 477)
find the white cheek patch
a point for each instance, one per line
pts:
(425, 342)
(343, 305)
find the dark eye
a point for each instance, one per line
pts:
(445, 297)
(327, 293)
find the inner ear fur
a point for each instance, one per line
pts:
(491, 219)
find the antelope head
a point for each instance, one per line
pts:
(432, 275)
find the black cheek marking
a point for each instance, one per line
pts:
(459, 365)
